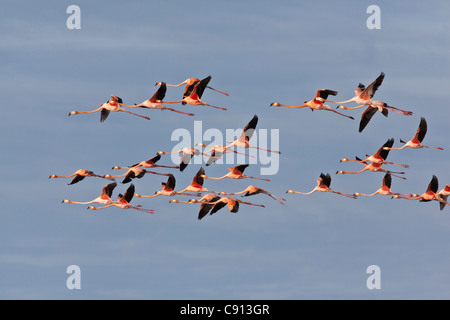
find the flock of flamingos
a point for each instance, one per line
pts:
(213, 201)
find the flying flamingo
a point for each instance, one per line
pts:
(252, 190)
(374, 167)
(190, 81)
(416, 141)
(429, 195)
(323, 185)
(380, 156)
(197, 183)
(186, 156)
(363, 97)
(80, 175)
(123, 202)
(195, 95)
(444, 193)
(236, 172)
(316, 103)
(151, 163)
(217, 151)
(133, 172)
(232, 203)
(107, 107)
(246, 135)
(168, 190)
(104, 198)
(154, 101)
(205, 201)
(385, 189)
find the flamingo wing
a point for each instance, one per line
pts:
(108, 189)
(202, 85)
(128, 195)
(384, 153)
(326, 179)
(160, 93)
(324, 93)
(370, 90)
(215, 155)
(366, 116)
(421, 130)
(104, 114)
(249, 129)
(198, 179)
(387, 180)
(433, 185)
(170, 182)
(76, 179)
(217, 206)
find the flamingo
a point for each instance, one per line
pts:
(197, 183)
(217, 151)
(154, 101)
(232, 203)
(168, 190)
(385, 189)
(107, 107)
(194, 93)
(363, 97)
(444, 193)
(246, 135)
(79, 175)
(323, 185)
(104, 198)
(252, 190)
(316, 103)
(380, 156)
(205, 201)
(429, 195)
(123, 202)
(133, 172)
(186, 156)
(190, 81)
(374, 167)
(236, 172)
(151, 163)
(416, 141)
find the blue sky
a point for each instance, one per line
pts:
(315, 246)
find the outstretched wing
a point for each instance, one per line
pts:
(104, 114)
(326, 179)
(198, 179)
(160, 93)
(108, 189)
(384, 153)
(433, 185)
(215, 155)
(170, 182)
(324, 93)
(249, 129)
(421, 130)
(372, 88)
(76, 179)
(366, 116)
(202, 85)
(387, 180)
(128, 195)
